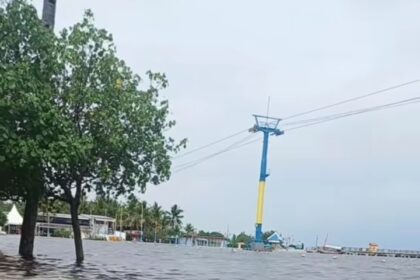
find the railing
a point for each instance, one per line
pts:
(355, 250)
(59, 226)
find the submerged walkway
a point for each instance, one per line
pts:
(381, 252)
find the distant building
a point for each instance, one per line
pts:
(373, 249)
(241, 245)
(90, 225)
(205, 241)
(275, 240)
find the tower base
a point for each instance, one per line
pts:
(257, 246)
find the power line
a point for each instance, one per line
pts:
(227, 148)
(352, 99)
(214, 155)
(209, 144)
(304, 123)
(301, 114)
(310, 122)
(203, 159)
(355, 112)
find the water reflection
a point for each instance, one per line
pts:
(15, 266)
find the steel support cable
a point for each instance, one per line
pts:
(227, 148)
(317, 121)
(352, 114)
(209, 144)
(300, 114)
(326, 119)
(214, 155)
(373, 108)
(353, 99)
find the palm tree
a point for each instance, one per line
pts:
(176, 218)
(156, 213)
(134, 214)
(131, 218)
(165, 223)
(144, 214)
(189, 230)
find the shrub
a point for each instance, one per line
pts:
(64, 233)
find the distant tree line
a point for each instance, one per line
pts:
(157, 224)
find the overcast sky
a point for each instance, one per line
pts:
(356, 179)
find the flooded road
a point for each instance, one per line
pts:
(128, 260)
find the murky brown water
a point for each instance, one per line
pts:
(127, 260)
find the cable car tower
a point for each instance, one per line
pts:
(268, 126)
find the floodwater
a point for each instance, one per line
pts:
(129, 260)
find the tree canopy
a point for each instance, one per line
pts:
(29, 119)
(74, 117)
(240, 238)
(27, 111)
(113, 134)
(3, 219)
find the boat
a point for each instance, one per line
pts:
(312, 250)
(330, 249)
(327, 249)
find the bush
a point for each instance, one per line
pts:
(96, 237)
(64, 233)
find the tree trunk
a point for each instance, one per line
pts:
(26, 246)
(76, 232)
(155, 234)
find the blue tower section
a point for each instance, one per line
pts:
(268, 126)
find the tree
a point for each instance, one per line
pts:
(28, 117)
(134, 213)
(4, 207)
(3, 219)
(105, 206)
(176, 219)
(216, 234)
(189, 230)
(240, 238)
(113, 134)
(54, 206)
(232, 242)
(156, 213)
(143, 217)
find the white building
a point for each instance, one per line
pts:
(14, 221)
(90, 225)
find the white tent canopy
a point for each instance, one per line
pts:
(13, 217)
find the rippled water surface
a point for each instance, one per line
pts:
(127, 260)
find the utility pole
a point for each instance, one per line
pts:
(48, 217)
(268, 126)
(142, 221)
(121, 218)
(48, 17)
(48, 13)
